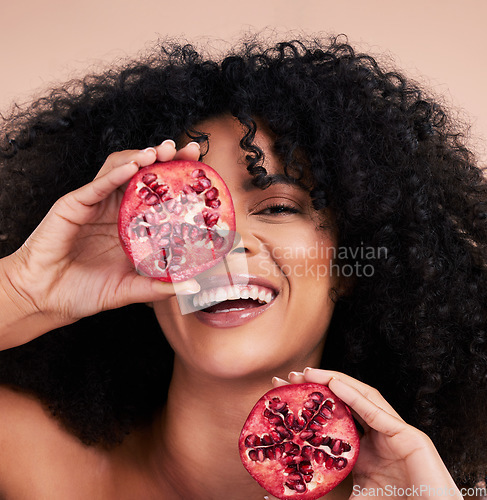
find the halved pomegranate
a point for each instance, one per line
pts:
(299, 441)
(176, 220)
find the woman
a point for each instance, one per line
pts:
(96, 403)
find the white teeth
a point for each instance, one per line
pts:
(207, 298)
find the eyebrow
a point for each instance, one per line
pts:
(277, 179)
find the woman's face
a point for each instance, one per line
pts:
(288, 262)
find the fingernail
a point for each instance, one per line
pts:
(193, 144)
(297, 374)
(277, 379)
(146, 150)
(135, 163)
(187, 288)
(307, 369)
(168, 142)
(188, 291)
(335, 378)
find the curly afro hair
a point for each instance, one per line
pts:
(382, 155)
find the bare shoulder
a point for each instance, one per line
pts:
(36, 451)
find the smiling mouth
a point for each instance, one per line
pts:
(233, 298)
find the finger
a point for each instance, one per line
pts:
(191, 151)
(166, 151)
(324, 376)
(143, 157)
(373, 415)
(278, 382)
(100, 188)
(143, 289)
(296, 378)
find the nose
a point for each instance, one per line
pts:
(246, 241)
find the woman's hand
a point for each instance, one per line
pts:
(73, 265)
(395, 457)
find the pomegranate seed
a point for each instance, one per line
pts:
(201, 184)
(252, 440)
(279, 451)
(178, 208)
(277, 405)
(164, 242)
(270, 454)
(185, 229)
(276, 437)
(317, 396)
(161, 189)
(213, 203)
(320, 456)
(285, 434)
(152, 199)
(178, 251)
(194, 234)
(165, 229)
(299, 424)
(305, 435)
(170, 205)
(340, 463)
(311, 405)
(330, 462)
(337, 447)
(267, 440)
(295, 477)
(305, 467)
(144, 192)
(198, 173)
(315, 441)
(149, 178)
(346, 447)
(198, 219)
(329, 403)
(178, 241)
(210, 219)
(315, 425)
(319, 419)
(325, 413)
(307, 452)
(289, 420)
(212, 194)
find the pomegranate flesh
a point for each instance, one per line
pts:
(176, 220)
(299, 441)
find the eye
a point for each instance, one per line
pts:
(278, 209)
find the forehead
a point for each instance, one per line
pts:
(224, 152)
(225, 134)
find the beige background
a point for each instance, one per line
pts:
(439, 42)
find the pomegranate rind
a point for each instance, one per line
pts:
(199, 255)
(273, 473)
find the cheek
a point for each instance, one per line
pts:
(305, 257)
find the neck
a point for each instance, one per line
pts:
(199, 433)
(194, 446)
